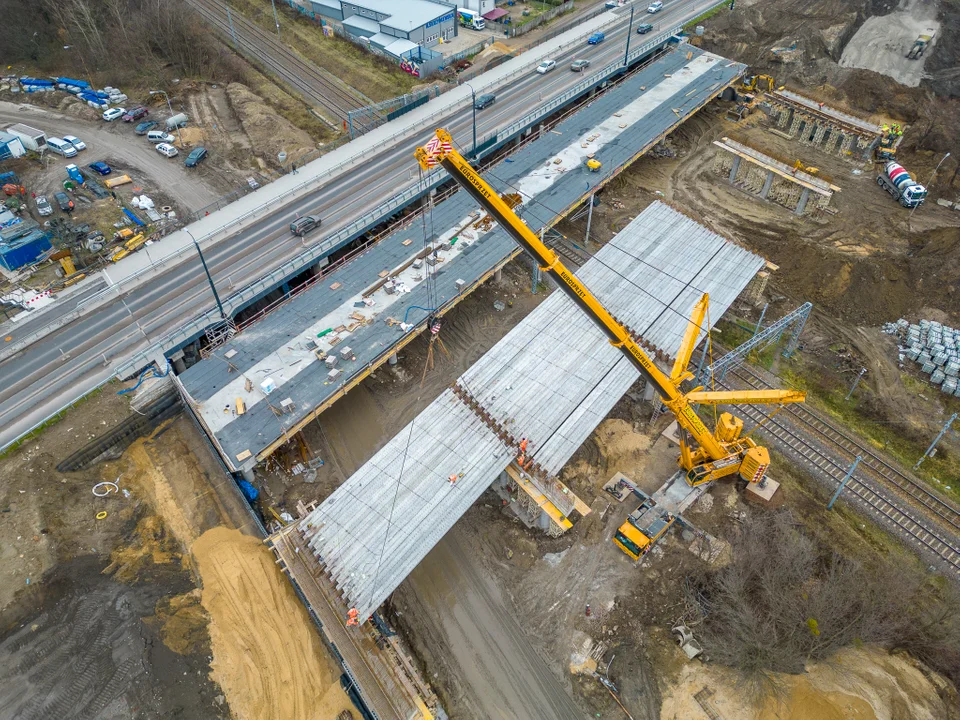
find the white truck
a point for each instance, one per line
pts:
(31, 138)
(901, 185)
(470, 19)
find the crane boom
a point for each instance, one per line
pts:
(720, 453)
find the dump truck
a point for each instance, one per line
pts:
(920, 45)
(643, 527)
(901, 185)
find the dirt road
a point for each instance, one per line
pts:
(116, 144)
(467, 626)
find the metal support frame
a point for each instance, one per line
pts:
(796, 319)
(763, 314)
(856, 382)
(843, 483)
(933, 446)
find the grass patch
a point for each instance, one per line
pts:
(288, 106)
(375, 77)
(735, 332)
(939, 471)
(722, 8)
(49, 422)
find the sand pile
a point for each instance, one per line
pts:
(267, 655)
(268, 132)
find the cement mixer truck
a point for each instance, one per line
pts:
(898, 182)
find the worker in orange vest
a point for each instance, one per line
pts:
(352, 617)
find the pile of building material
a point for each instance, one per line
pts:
(933, 346)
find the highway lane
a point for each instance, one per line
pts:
(58, 368)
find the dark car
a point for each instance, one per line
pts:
(195, 156)
(100, 167)
(65, 203)
(485, 101)
(644, 29)
(579, 65)
(145, 127)
(136, 113)
(596, 38)
(302, 225)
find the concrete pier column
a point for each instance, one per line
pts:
(735, 168)
(784, 117)
(498, 274)
(392, 360)
(767, 184)
(247, 472)
(804, 196)
(649, 392)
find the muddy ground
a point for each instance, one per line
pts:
(151, 601)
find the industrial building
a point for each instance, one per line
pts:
(385, 22)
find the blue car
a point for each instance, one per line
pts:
(100, 167)
(596, 38)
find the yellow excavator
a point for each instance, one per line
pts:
(758, 83)
(718, 453)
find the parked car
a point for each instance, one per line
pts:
(167, 149)
(304, 224)
(63, 200)
(644, 29)
(61, 147)
(100, 167)
(485, 101)
(76, 142)
(145, 127)
(159, 136)
(135, 113)
(43, 206)
(113, 113)
(546, 66)
(579, 65)
(596, 38)
(195, 156)
(655, 7)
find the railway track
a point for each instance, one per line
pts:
(810, 444)
(872, 464)
(575, 256)
(331, 98)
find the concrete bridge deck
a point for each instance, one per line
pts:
(616, 128)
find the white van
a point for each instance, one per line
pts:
(61, 147)
(159, 136)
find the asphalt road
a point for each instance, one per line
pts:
(61, 367)
(117, 144)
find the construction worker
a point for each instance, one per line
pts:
(453, 479)
(353, 617)
(897, 130)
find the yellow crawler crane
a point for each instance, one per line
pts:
(717, 453)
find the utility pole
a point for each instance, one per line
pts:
(276, 18)
(932, 450)
(763, 314)
(170, 108)
(236, 45)
(203, 262)
(626, 53)
(586, 239)
(855, 383)
(844, 482)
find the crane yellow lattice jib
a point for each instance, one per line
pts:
(720, 452)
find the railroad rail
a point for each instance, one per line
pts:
(873, 464)
(331, 97)
(878, 498)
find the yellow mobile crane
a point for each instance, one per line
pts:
(719, 453)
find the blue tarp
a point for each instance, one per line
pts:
(83, 84)
(22, 251)
(133, 217)
(249, 491)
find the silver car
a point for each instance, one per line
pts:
(43, 206)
